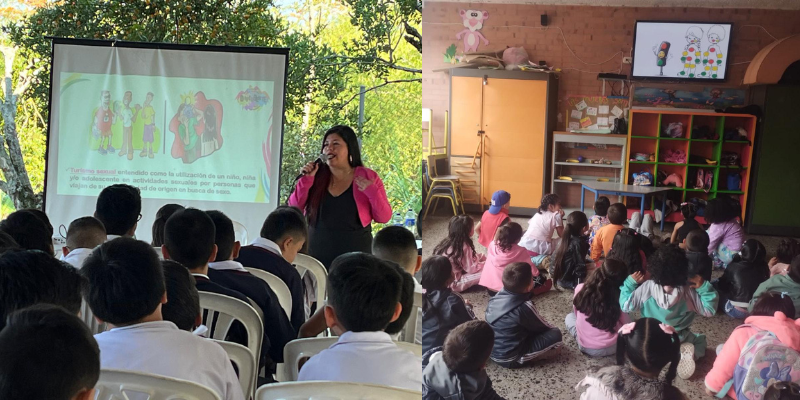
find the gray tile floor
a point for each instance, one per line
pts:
(555, 378)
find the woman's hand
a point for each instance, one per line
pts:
(310, 169)
(362, 182)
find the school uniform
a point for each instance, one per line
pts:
(76, 257)
(161, 348)
(365, 357)
(277, 327)
(265, 255)
(237, 333)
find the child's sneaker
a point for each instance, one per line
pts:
(686, 365)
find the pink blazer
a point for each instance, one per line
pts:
(496, 262)
(372, 203)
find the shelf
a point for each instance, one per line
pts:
(706, 140)
(614, 164)
(730, 191)
(641, 162)
(583, 179)
(669, 163)
(644, 137)
(736, 141)
(697, 190)
(670, 138)
(732, 167)
(703, 165)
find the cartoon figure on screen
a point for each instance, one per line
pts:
(713, 57)
(691, 53)
(196, 126)
(128, 115)
(473, 21)
(662, 55)
(148, 132)
(104, 117)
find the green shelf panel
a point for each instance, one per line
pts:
(669, 163)
(670, 138)
(706, 140)
(736, 141)
(732, 167)
(730, 191)
(703, 165)
(696, 190)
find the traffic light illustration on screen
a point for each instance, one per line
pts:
(662, 55)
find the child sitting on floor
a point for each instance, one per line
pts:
(521, 335)
(788, 248)
(493, 218)
(649, 346)
(83, 235)
(741, 279)
(668, 298)
(789, 284)
(569, 266)
(773, 312)
(538, 239)
(442, 308)
(596, 316)
(459, 369)
(504, 251)
(725, 235)
(617, 215)
(627, 247)
(459, 249)
(696, 245)
(682, 228)
(600, 217)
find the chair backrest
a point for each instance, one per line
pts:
(223, 310)
(245, 362)
(304, 262)
(240, 233)
(89, 320)
(159, 252)
(410, 330)
(278, 286)
(114, 384)
(300, 348)
(333, 390)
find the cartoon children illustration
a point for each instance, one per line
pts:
(210, 143)
(104, 117)
(128, 115)
(712, 57)
(197, 125)
(189, 117)
(691, 53)
(147, 115)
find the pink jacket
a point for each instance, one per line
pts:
(371, 202)
(496, 262)
(467, 265)
(784, 328)
(591, 337)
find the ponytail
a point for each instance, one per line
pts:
(649, 346)
(676, 358)
(576, 221)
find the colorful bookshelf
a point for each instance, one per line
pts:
(645, 136)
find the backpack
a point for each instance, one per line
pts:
(673, 130)
(734, 181)
(730, 158)
(643, 178)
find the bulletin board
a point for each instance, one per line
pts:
(594, 112)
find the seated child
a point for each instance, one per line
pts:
(788, 248)
(459, 369)
(669, 299)
(725, 234)
(596, 316)
(504, 251)
(600, 217)
(682, 228)
(742, 277)
(569, 265)
(442, 308)
(83, 235)
(139, 339)
(459, 249)
(520, 334)
(617, 215)
(627, 247)
(183, 299)
(7, 243)
(772, 312)
(119, 208)
(30, 229)
(493, 218)
(696, 245)
(363, 298)
(789, 284)
(648, 346)
(160, 222)
(398, 245)
(48, 353)
(538, 239)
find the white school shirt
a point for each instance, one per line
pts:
(161, 348)
(267, 244)
(77, 257)
(365, 357)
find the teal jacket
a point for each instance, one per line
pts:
(779, 284)
(677, 308)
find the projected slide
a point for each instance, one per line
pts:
(678, 50)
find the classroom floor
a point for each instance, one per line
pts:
(556, 377)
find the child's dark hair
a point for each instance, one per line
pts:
(508, 235)
(794, 269)
(719, 211)
(282, 221)
(396, 244)
(689, 210)
(752, 251)
(601, 206)
(625, 247)
(650, 349)
(468, 346)
(669, 266)
(436, 273)
(599, 297)
(189, 238)
(29, 230)
(781, 390)
(406, 300)
(224, 235)
(86, 233)
(788, 248)
(160, 222)
(517, 277)
(458, 235)
(183, 305)
(550, 199)
(617, 214)
(50, 346)
(697, 240)
(118, 208)
(576, 222)
(647, 245)
(364, 291)
(770, 302)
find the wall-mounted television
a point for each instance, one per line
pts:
(692, 51)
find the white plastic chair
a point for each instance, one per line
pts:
(303, 263)
(159, 252)
(278, 286)
(308, 347)
(114, 384)
(224, 310)
(240, 233)
(89, 320)
(328, 390)
(245, 362)
(410, 330)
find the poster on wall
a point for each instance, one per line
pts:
(594, 114)
(709, 98)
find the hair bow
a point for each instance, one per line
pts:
(627, 328)
(668, 329)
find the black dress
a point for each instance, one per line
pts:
(689, 224)
(338, 229)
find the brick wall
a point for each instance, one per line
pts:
(594, 33)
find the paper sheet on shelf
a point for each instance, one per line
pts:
(602, 109)
(575, 114)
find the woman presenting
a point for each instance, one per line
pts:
(340, 198)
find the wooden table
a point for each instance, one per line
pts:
(619, 189)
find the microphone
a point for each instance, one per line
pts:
(318, 161)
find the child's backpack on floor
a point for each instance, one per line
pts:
(764, 359)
